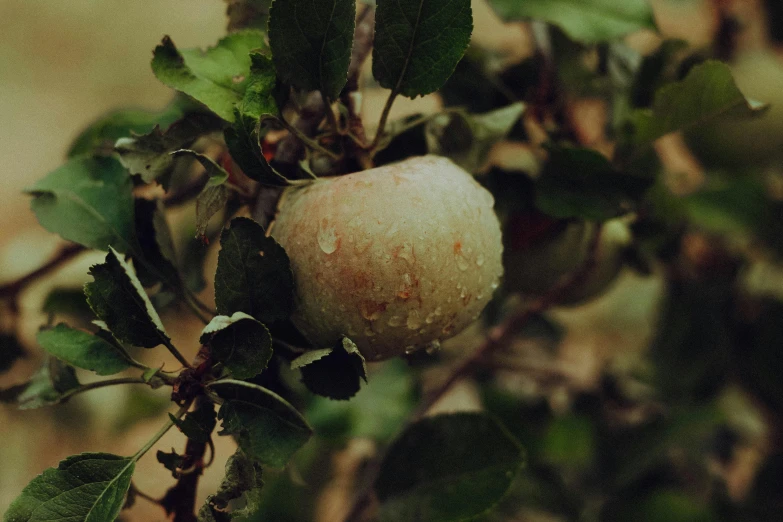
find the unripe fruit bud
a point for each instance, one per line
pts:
(394, 257)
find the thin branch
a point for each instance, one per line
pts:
(159, 435)
(330, 117)
(101, 384)
(497, 338)
(382, 124)
(314, 145)
(64, 254)
(176, 353)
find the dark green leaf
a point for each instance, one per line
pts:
(89, 487)
(253, 274)
(216, 77)
(192, 259)
(581, 183)
(149, 155)
(268, 429)
(11, 350)
(707, 92)
(467, 139)
(447, 468)
(172, 461)
(588, 21)
(83, 350)
(46, 387)
(335, 373)
(214, 196)
(198, 424)
(88, 201)
(117, 297)
(259, 99)
(311, 43)
(570, 442)
(241, 343)
(418, 43)
(155, 261)
(102, 133)
(664, 505)
(243, 145)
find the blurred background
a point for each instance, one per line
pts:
(63, 64)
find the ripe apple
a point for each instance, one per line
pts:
(395, 257)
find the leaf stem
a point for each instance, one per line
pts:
(176, 353)
(161, 432)
(303, 138)
(333, 123)
(382, 123)
(101, 384)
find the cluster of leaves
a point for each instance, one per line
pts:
(209, 148)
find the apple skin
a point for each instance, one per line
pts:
(533, 266)
(394, 257)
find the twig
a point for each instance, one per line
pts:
(497, 337)
(176, 353)
(13, 289)
(159, 435)
(302, 137)
(101, 384)
(330, 115)
(382, 124)
(180, 499)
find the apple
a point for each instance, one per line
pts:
(395, 257)
(540, 251)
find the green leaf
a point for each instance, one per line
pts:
(376, 413)
(117, 297)
(311, 43)
(88, 201)
(198, 424)
(46, 387)
(467, 138)
(570, 442)
(11, 350)
(149, 155)
(242, 139)
(447, 468)
(83, 350)
(588, 21)
(661, 505)
(259, 99)
(102, 133)
(214, 196)
(216, 77)
(335, 373)
(253, 274)
(241, 343)
(89, 487)
(707, 92)
(418, 43)
(267, 428)
(581, 183)
(156, 260)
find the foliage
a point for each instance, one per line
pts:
(274, 104)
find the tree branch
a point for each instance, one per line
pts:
(12, 290)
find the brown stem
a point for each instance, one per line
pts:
(12, 290)
(497, 338)
(180, 499)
